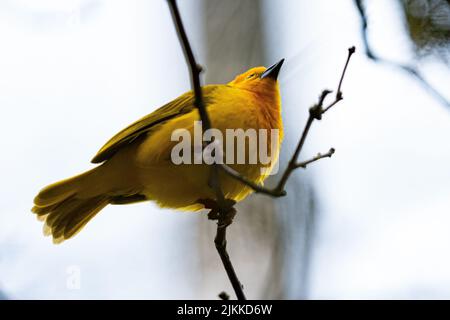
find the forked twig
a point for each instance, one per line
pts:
(315, 113)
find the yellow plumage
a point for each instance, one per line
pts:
(136, 164)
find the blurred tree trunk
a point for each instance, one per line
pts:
(268, 247)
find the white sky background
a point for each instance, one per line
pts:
(66, 86)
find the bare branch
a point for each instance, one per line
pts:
(194, 68)
(224, 209)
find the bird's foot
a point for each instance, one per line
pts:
(224, 216)
(213, 214)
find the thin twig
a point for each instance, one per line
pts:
(339, 96)
(412, 71)
(339, 92)
(224, 207)
(319, 156)
(194, 68)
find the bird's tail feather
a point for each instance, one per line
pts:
(65, 208)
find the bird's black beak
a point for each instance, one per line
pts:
(273, 71)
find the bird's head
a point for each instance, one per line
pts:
(260, 80)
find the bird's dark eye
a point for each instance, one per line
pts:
(251, 76)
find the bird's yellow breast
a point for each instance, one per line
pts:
(181, 186)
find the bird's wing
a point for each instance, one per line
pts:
(181, 105)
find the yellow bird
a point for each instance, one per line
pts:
(136, 163)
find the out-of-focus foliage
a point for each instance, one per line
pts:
(428, 24)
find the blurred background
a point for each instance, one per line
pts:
(372, 222)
